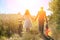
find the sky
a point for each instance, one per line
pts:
(15, 6)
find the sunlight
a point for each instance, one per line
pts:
(15, 6)
(34, 5)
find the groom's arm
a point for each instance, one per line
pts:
(45, 16)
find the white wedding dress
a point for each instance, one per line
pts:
(27, 22)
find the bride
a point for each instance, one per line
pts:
(27, 21)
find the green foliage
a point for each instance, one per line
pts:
(55, 8)
(55, 17)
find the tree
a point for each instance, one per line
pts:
(55, 8)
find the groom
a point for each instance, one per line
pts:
(41, 16)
